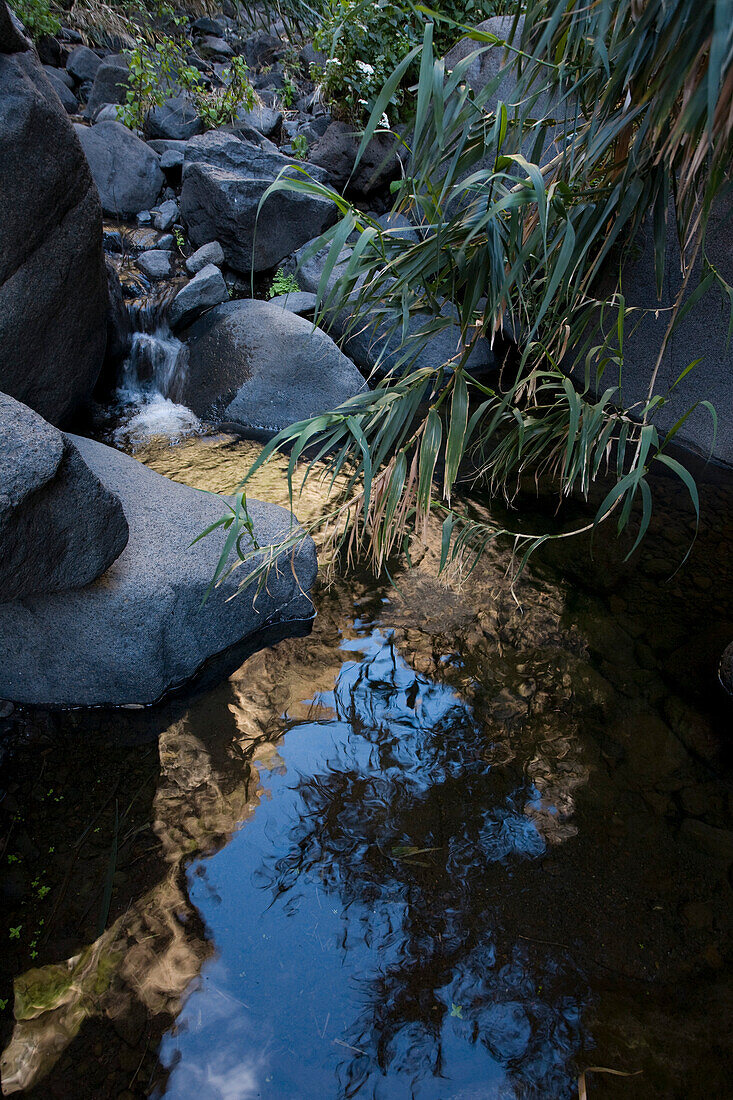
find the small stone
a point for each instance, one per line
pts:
(171, 158)
(108, 113)
(211, 253)
(206, 289)
(166, 242)
(144, 217)
(155, 263)
(165, 215)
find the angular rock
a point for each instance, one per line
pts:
(83, 63)
(165, 215)
(204, 25)
(336, 152)
(214, 49)
(53, 288)
(60, 528)
(109, 113)
(125, 170)
(59, 74)
(224, 179)
(176, 119)
(155, 262)
(265, 120)
(263, 367)
(206, 289)
(142, 629)
(261, 49)
(110, 84)
(67, 97)
(211, 253)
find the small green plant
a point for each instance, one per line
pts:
(152, 67)
(180, 239)
(221, 106)
(288, 92)
(299, 145)
(283, 283)
(15, 932)
(37, 16)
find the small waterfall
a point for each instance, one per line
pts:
(153, 377)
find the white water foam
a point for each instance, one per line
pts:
(152, 381)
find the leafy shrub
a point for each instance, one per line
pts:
(364, 43)
(299, 145)
(220, 106)
(37, 17)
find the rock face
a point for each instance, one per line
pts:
(336, 151)
(53, 287)
(261, 366)
(141, 629)
(125, 170)
(60, 528)
(224, 179)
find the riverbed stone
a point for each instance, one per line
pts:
(211, 253)
(260, 366)
(297, 301)
(224, 179)
(336, 151)
(175, 119)
(125, 170)
(60, 528)
(67, 97)
(155, 262)
(206, 289)
(53, 287)
(165, 215)
(142, 629)
(83, 63)
(110, 84)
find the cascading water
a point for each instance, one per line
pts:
(153, 377)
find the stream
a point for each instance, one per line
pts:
(461, 842)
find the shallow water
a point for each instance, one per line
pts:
(449, 846)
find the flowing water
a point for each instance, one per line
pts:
(147, 403)
(454, 845)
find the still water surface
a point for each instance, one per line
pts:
(450, 846)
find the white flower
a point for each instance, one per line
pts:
(365, 68)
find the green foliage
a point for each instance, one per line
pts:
(288, 93)
(220, 106)
(283, 284)
(299, 145)
(513, 237)
(37, 16)
(365, 41)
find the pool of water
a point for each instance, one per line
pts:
(461, 842)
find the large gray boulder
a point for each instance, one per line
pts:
(126, 171)
(83, 63)
(60, 528)
(142, 629)
(262, 367)
(224, 179)
(53, 287)
(110, 84)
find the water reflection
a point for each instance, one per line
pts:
(362, 899)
